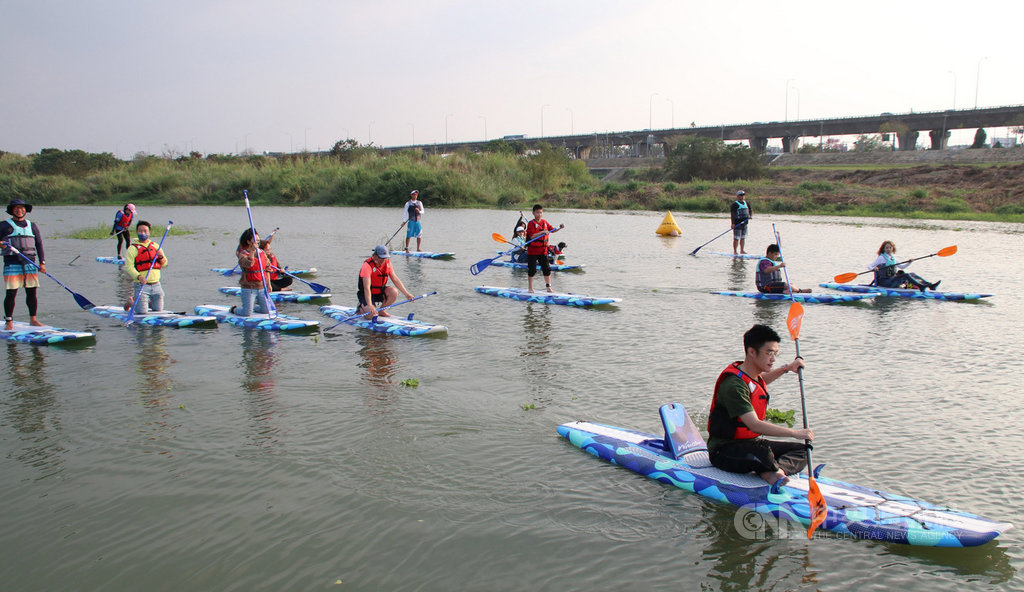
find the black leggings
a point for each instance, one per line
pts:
(760, 456)
(30, 301)
(123, 236)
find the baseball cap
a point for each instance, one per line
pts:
(382, 252)
(414, 192)
(741, 192)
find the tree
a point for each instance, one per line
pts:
(72, 163)
(693, 157)
(979, 138)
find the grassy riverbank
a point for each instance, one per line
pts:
(505, 180)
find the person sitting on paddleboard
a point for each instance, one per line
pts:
(252, 281)
(413, 212)
(143, 261)
(278, 280)
(739, 212)
(768, 276)
(889, 274)
(537, 251)
(122, 227)
(372, 290)
(519, 239)
(738, 407)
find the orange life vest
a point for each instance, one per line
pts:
(378, 277)
(534, 228)
(147, 257)
(720, 424)
(272, 271)
(252, 274)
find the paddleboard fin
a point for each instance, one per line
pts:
(681, 434)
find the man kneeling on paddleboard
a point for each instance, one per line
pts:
(373, 291)
(738, 406)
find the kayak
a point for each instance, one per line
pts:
(680, 458)
(736, 255)
(257, 320)
(543, 297)
(554, 266)
(808, 297)
(45, 335)
(237, 271)
(114, 260)
(285, 296)
(390, 325)
(163, 318)
(424, 254)
(904, 293)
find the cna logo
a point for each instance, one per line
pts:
(757, 526)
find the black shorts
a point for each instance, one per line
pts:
(533, 260)
(760, 455)
(378, 299)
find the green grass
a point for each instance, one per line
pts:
(102, 231)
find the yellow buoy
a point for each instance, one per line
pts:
(668, 226)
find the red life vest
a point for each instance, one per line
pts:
(124, 221)
(378, 276)
(272, 271)
(539, 246)
(720, 424)
(252, 274)
(147, 257)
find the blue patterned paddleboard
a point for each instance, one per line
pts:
(904, 293)
(735, 255)
(45, 335)
(543, 297)
(424, 254)
(286, 296)
(237, 271)
(164, 318)
(554, 266)
(114, 260)
(810, 298)
(392, 325)
(258, 320)
(853, 511)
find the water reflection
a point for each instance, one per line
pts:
(539, 366)
(155, 383)
(34, 410)
(258, 361)
(379, 364)
(772, 313)
(740, 277)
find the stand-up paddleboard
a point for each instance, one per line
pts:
(286, 296)
(114, 260)
(553, 266)
(45, 335)
(424, 254)
(680, 458)
(238, 271)
(163, 318)
(258, 320)
(392, 325)
(904, 293)
(808, 297)
(542, 297)
(736, 255)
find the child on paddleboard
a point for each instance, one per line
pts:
(889, 274)
(537, 251)
(769, 273)
(253, 281)
(278, 280)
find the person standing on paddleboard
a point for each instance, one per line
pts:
(537, 251)
(123, 227)
(768, 275)
(413, 212)
(373, 291)
(252, 281)
(739, 211)
(738, 407)
(22, 234)
(889, 274)
(143, 260)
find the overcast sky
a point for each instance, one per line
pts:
(220, 76)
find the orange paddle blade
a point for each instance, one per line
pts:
(499, 238)
(794, 319)
(947, 251)
(845, 277)
(816, 503)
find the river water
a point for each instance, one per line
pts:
(226, 459)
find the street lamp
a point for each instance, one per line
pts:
(650, 110)
(954, 88)
(977, 79)
(571, 123)
(542, 119)
(413, 134)
(305, 140)
(369, 133)
(446, 126)
(247, 142)
(672, 106)
(797, 103)
(788, 80)
(485, 126)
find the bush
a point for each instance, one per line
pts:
(693, 157)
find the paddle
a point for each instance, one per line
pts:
(232, 270)
(145, 280)
(318, 288)
(483, 264)
(271, 307)
(388, 243)
(346, 319)
(815, 501)
(846, 277)
(694, 252)
(81, 300)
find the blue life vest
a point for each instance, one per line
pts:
(763, 278)
(22, 239)
(885, 271)
(742, 211)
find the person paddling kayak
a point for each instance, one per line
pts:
(889, 274)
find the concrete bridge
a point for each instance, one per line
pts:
(642, 143)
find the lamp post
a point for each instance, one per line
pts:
(977, 79)
(446, 126)
(247, 142)
(413, 134)
(672, 107)
(485, 126)
(797, 103)
(369, 133)
(650, 110)
(788, 80)
(305, 139)
(542, 119)
(954, 88)
(571, 123)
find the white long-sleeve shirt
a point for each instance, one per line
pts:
(412, 203)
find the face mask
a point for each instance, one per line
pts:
(143, 237)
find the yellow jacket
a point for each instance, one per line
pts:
(139, 276)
